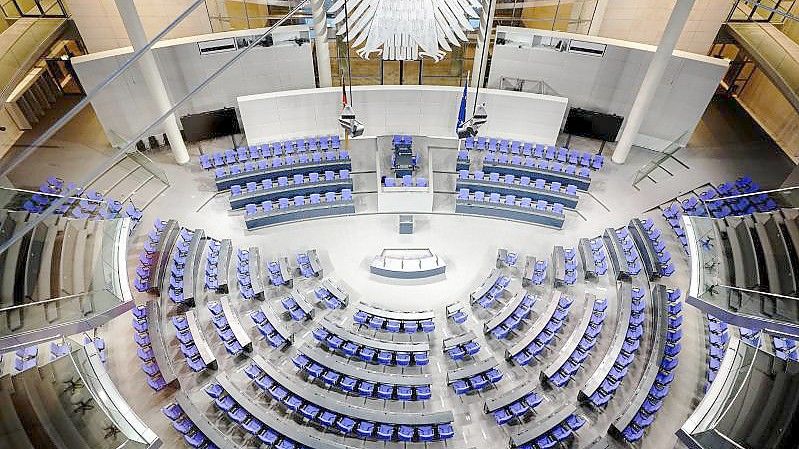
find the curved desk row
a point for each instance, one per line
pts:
(616, 254)
(521, 188)
(646, 249)
(535, 168)
(362, 340)
(623, 313)
(536, 328)
(659, 334)
(324, 400)
(229, 178)
(273, 192)
(340, 206)
(395, 315)
(343, 366)
(509, 208)
(573, 341)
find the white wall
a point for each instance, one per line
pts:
(101, 27)
(126, 107)
(385, 110)
(609, 83)
(644, 21)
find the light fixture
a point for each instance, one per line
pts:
(406, 30)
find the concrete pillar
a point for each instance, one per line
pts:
(152, 77)
(319, 14)
(481, 51)
(654, 74)
(599, 15)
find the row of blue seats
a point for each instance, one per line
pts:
(707, 204)
(347, 384)
(645, 416)
(405, 181)
(144, 348)
(458, 316)
(543, 164)
(284, 181)
(328, 299)
(369, 354)
(631, 256)
(478, 382)
(191, 434)
(673, 213)
(348, 425)
(600, 255)
(555, 186)
(223, 330)
(285, 203)
(517, 409)
(632, 342)
(88, 204)
(559, 434)
(294, 310)
(244, 274)
(276, 273)
(595, 161)
(785, 349)
(665, 265)
(718, 336)
(390, 325)
(148, 257)
(566, 372)
(461, 351)
(315, 157)
(179, 258)
(539, 272)
(542, 340)
(511, 323)
(187, 345)
(225, 403)
(212, 265)
(304, 263)
(500, 284)
(268, 330)
(510, 200)
(255, 152)
(570, 257)
(25, 358)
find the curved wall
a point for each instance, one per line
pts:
(384, 110)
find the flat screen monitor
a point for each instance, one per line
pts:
(210, 124)
(596, 125)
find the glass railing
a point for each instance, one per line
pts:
(773, 11)
(74, 270)
(664, 155)
(709, 263)
(115, 410)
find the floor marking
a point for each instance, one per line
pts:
(207, 201)
(598, 201)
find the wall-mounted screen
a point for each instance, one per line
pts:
(207, 125)
(596, 125)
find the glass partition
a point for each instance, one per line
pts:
(86, 361)
(64, 275)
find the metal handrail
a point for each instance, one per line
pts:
(47, 301)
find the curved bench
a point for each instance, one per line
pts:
(394, 321)
(369, 349)
(315, 405)
(318, 364)
(571, 356)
